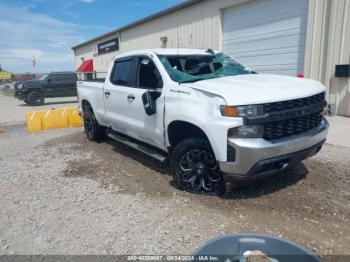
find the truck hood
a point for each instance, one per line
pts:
(258, 88)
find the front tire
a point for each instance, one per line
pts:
(35, 98)
(195, 168)
(93, 131)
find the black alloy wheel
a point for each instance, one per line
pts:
(196, 169)
(93, 130)
(35, 98)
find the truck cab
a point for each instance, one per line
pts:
(212, 117)
(55, 84)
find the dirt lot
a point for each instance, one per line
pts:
(61, 194)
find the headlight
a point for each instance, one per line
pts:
(241, 111)
(20, 86)
(246, 132)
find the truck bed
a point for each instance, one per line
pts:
(100, 80)
(90, 84)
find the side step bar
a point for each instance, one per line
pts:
(148, 150)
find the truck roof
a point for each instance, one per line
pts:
(168, 51)
(61, 72)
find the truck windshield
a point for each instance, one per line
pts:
(192, 68)
(43, 77)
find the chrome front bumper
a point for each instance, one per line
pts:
(250, 152)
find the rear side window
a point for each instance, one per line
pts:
(55, 77)
(124, 72)
(64, 77)
(71, 77)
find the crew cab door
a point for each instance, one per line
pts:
(55, 85)
(70, 85)
(49, 86)
(129, 80)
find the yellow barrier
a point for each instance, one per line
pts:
(52, 119)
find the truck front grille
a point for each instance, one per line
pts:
(295, 103)
(295, 126)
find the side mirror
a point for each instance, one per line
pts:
(149, 100)
(49, 80)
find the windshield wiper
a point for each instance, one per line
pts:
(191, 81)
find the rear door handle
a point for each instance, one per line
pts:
(107, 93)
(131, 98)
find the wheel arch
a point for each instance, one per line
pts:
(29, 93)
(178, 130)
(85, 102)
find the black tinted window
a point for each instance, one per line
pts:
(71, 77)
(124, 72)
(149, 76)
(55, 78)
(64, 77)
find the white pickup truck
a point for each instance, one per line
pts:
(210, 116)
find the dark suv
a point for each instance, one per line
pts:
(57, 84)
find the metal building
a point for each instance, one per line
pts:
(286, 37)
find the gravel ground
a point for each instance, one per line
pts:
(61, 194)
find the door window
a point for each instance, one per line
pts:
(70, 77)
(124, 72)
(55, 78)
(148, 74)
(63, 78)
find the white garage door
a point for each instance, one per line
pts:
(267, 35)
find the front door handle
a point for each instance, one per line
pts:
(107, 93)
(131, 98)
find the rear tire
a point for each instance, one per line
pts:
(35, 98)
(195, 168)
(93, 131)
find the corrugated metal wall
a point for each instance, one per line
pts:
(197, 26)
(193, 27)
(267, 35)
(328, 44)
(200, 26)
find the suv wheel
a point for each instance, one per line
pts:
(93, 130)
(195, 168)
(35, 98)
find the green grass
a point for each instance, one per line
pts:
(7, 92)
